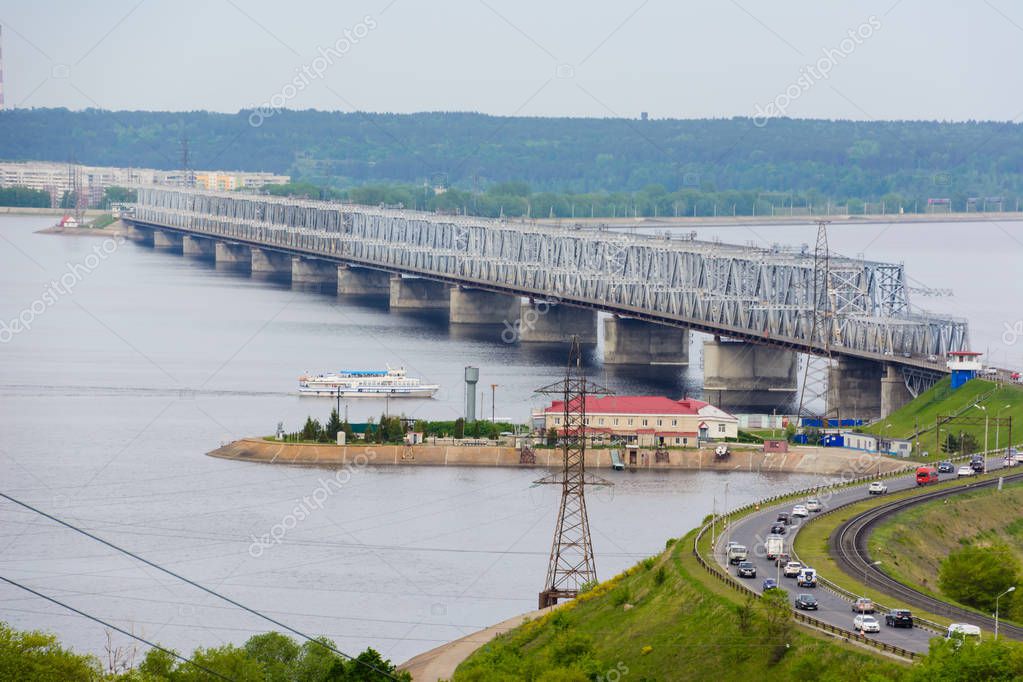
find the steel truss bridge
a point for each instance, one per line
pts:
(759, 295)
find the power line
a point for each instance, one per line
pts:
(197, 585)
(114, 627)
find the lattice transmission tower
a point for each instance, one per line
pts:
(571, 564)
(813, 396)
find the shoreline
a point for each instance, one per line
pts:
(668, 222)
(799, 460)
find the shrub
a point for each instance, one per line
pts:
(976, 575)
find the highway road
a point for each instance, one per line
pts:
(834, 609)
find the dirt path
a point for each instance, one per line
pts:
(440, 663)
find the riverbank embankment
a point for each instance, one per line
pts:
(824, 461)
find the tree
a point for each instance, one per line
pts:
(334, 425)
(38, 657)
(312, 429)
(277, 654)
(118, 195)
(777, 622)
(460, 428)
(955, 661)
(976, 575)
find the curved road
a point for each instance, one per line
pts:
(832, 607)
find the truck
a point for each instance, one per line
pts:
(737, 553)
(774, 545)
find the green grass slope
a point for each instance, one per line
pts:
(922, 412)
(666, 619)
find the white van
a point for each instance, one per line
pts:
(963, 631)
(737, 553)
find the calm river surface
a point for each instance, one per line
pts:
(113, 396)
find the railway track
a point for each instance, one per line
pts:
(848, 545)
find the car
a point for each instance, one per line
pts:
(965, 470)
(800, 510)
(807, 577)
(865, 623)
(814, 505)
(806, 602)
(783, 517)
(899, 618)
(1009, 462)
(978, 464)
(863, 605)
(770, 584)
(932, 358)
(746, 570)
(782, 559)
(792, 569)
(778, 529)
(877, 488)
(946, 468)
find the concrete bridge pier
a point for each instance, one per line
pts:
(737, 373)
(894, 393)
(268, 264)
(143, 235)
(628, 341)
(854, 388)
(198, 247)
(313, 272)
(165, 239)
(414, 293)
(230, 256)
(545, 322)
(475, 306)
(352, 281)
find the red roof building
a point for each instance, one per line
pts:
(655, 421)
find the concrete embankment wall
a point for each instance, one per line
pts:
(826, 461)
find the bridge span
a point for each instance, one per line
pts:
(758, 303)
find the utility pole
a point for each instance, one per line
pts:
(571, 563)
(493, 407)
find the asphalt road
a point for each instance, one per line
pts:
(832, 608)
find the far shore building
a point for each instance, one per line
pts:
(58, 178)
(645, 421)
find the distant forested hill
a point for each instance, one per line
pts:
(819, 159)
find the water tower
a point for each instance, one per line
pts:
(472, 376)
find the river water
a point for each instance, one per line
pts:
(117, 390)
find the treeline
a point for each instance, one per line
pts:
(390, 429)
(517, 200)
(24, 197)
(812, 161)
(269, 657)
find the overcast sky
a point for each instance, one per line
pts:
(912, 59)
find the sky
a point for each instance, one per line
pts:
(893, 59)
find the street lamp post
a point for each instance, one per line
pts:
(1011, 589)
(998, 425)
(873, 563)
(987, 417)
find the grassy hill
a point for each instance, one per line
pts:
(918, 417)
(912, 544)
(666, 619)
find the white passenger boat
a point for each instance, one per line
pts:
(366, 383)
